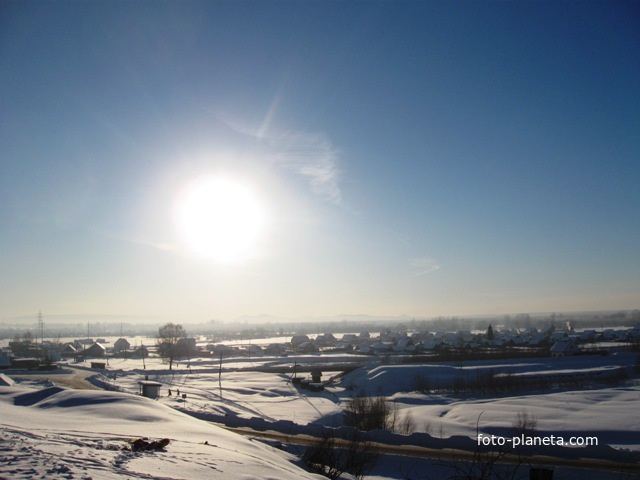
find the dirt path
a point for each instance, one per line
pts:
(68, 377)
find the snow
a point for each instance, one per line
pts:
(64, 433)
(53, 432)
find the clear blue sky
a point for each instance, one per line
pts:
(420, 158)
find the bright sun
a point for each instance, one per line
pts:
(220, 219)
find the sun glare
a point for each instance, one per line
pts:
(221, 219)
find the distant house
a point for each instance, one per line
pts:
(307, 347)
(5, 358)
(587, 335)
(298, 340)
(404, 345)
(69, 350)
(559, 335)
(349, 338)
(94, 351)
(563, 348)
(275, 349)
(121, 345)
(220, 350)
(430, 344)
(326, 339)
(537, 339)
(255, 351)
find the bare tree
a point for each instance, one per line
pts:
(377, 413)
(370, 413)
(168, 337)
(525, 423)
(486, 464)
(332, 456)
(406, 425)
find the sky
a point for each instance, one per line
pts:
(190, 161)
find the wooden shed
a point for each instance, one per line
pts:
(149, 388)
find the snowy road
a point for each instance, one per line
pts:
(65, 377)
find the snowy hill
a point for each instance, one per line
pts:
(86, 434)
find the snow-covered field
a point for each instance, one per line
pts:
(50, 432)
(85, 434)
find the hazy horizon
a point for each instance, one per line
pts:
(264, 319)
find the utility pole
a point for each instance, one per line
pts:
(220, 376)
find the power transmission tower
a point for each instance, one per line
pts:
(41, 326)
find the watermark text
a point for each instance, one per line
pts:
(527, 440)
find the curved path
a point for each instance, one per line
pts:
(65, 377)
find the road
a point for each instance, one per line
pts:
(453, 455)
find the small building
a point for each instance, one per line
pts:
(349, 337)
(298, 340)
(563, 349)
(325, 340)
(98, 365)
(121, 345)
(69, 350)
(149, 388)
(95, 350)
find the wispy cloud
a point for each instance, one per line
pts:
(310, 155)
(424, 265)
(313, 157)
